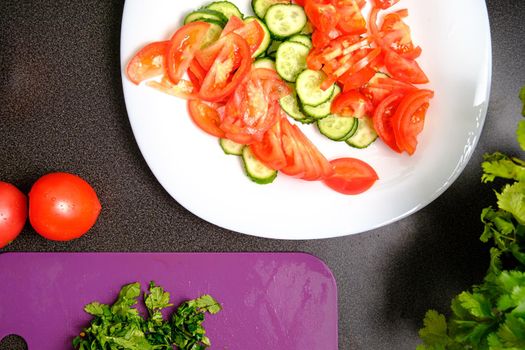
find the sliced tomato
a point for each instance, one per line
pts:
(196, 73)
(351, 176)
(324, 17)
(351, 20)
(404, 69)
(352, 104)
(205, 117)
(383, 120)
(270, 150)
(295, 164)
(317, 166)
(183, 89)
(396, 35)
(254, 106)
(182, 47)
(384, 4)
(233, 24)
(148, 62)
(409, 119)
(228, 70)
(357, 79)
(253, 33)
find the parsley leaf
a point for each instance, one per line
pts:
(120, 326)
(491, 315)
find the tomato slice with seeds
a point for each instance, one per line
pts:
(228, 70)
(409, 119)
(181, 50)
(205, 117)
(183, 89)
(351, 104)
(383, 120)
(351, 20)
(404, 69)
(148, 62)
(351, 176)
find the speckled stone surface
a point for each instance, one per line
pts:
(62, 109)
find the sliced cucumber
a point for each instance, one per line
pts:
(290, 60)
(308, 29)
(212, 35)
(303, 39)
(323, 110)
(274, 46)
(261, 6)
(265, 43)
(291, 107)
(231, 147)
(226, 8)
(365, 134)
(285, 20)
(264, 62)
(255, 169)
(309, 90)
(206, 15)
(337, 128)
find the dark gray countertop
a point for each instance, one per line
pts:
(62, 109)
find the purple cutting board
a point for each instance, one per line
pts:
(270, 300)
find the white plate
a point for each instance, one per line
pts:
(191, 166)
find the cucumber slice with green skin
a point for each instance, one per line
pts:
(308, 85)
(303, 39)
(285, 20)
(265, 43)
(227, 8)
(231, 147)
(255, 169)
(213, 33)
(206, 15)
(308, 29)
(323, 110)
(274, 46)
(261, 6)
(290, 60)
(337, 128)
(365, 134)
(290, 106)
(264, 62)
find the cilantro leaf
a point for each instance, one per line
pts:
(512, 199)
(120, 326)
(434, 332)
(498, 165)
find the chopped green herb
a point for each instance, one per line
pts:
(120, 326)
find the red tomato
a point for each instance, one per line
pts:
(357, 79)
(148, 62)
(397, 36)
(254, 106)
(205, 117)
(351, 176)
(324, 17)
(233, 24)
(384, 4)
(13, 213)
(62, 206)
(409, 119)
(383, 120)
(351, 20)
(351, 104)
(253, 33)
(182, 47)
(270, 150)
(404, 69)
(228, 70)
(183, 89)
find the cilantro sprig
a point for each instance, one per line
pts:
(491, 316)
(120, 326)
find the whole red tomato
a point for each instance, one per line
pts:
(62, 206)
(13, 213)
